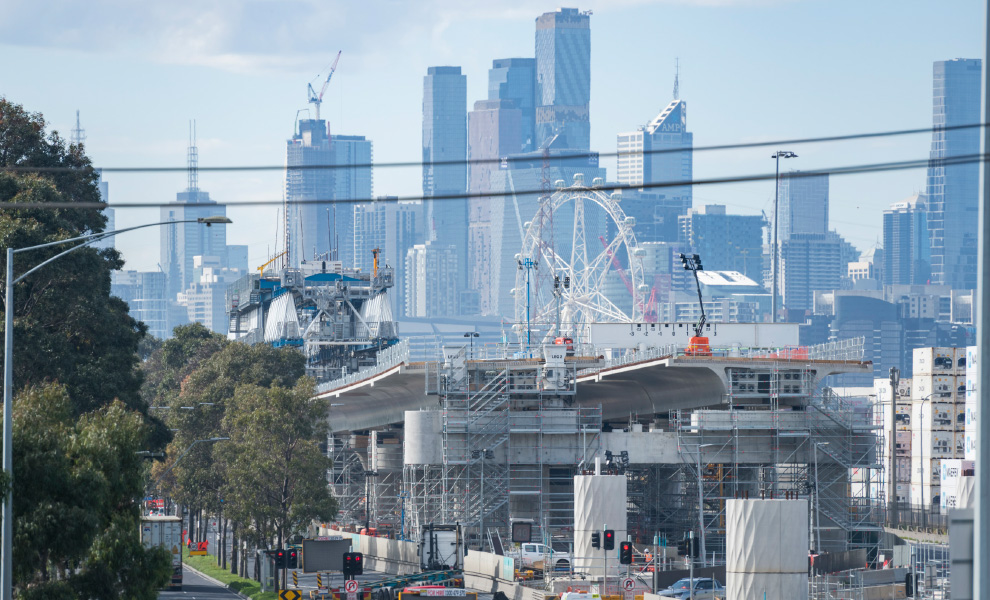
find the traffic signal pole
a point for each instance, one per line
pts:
(691, 561)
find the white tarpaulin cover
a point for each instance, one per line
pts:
(282, 321)
(767, 548)
(778, 586)
(598, 500)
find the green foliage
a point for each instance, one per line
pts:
(276, 472)
(209, 390)
(68, 329)
(76, 487)
(79, 418)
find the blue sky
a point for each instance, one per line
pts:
(751, 70)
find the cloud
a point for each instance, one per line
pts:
(265, 35)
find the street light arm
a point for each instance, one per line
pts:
(96, 237)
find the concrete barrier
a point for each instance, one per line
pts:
(482, 570)
(382, 554)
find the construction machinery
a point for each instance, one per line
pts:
(317, 99)
(698, 346)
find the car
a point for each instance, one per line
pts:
(704, 589)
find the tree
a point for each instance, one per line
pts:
(67, 326)
(79, 418)
(276, 473)
(77, 483)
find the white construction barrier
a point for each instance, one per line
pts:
(767, 549)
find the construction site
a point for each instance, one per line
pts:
(491, 441)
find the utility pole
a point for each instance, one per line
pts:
(774, 252)
(895, 378)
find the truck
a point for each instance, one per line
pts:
(536, 555)
(166, 532)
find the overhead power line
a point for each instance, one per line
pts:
(849, 170)
(511, 159)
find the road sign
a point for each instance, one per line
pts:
(197, 553)
(628, 584)
(289, 595)
(350, 586)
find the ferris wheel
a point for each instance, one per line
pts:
(575, 246)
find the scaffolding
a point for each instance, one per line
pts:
(777, 438)
(512, 442)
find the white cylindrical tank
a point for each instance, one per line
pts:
(767, 549)
(599, 500)
(423, 431)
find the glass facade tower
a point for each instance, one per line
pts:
(445, 141)
(953, 189)
(563, 79)
(514, 79)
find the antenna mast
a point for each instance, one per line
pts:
(192, 158)
(78, 136)
(677, 76)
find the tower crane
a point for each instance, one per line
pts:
(317, 99)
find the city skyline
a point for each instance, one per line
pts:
(620, 101)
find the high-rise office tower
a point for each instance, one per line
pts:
(803, 205)
(563, 79)
(144, 293)
(493, 133)
(445, 142)
(431, 288)
(725, 242)
(514, 79)
(181, 242)
(810, 262)
(953, 189)
(308, 225)
(660, 152)
(350, 183)
(906, 249)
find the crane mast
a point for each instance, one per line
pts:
(317, 99)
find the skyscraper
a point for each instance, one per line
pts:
(308, 225)
(181, 242)
(725, 242)
(493, 132)
(445, 141)
(355, 183)
(906, 249)
(650, 155)
(953, 190)
(803, 206)
(563, 79)
(514, 79)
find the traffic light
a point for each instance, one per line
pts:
(293, 558)
(596, 540)
(278, 557)
(353, 564)
(695, 547)
(909, 585)
(682, 547)
(608, 542)
(625, 553)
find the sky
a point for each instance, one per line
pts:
(750, 71)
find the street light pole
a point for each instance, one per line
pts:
(773, 247)
(7, 562)
(701, 507)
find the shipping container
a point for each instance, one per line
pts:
(935, 388)
(933, 416)
(934, 361)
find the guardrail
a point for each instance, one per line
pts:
(387, 359)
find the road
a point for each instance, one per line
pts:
(195, 587)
